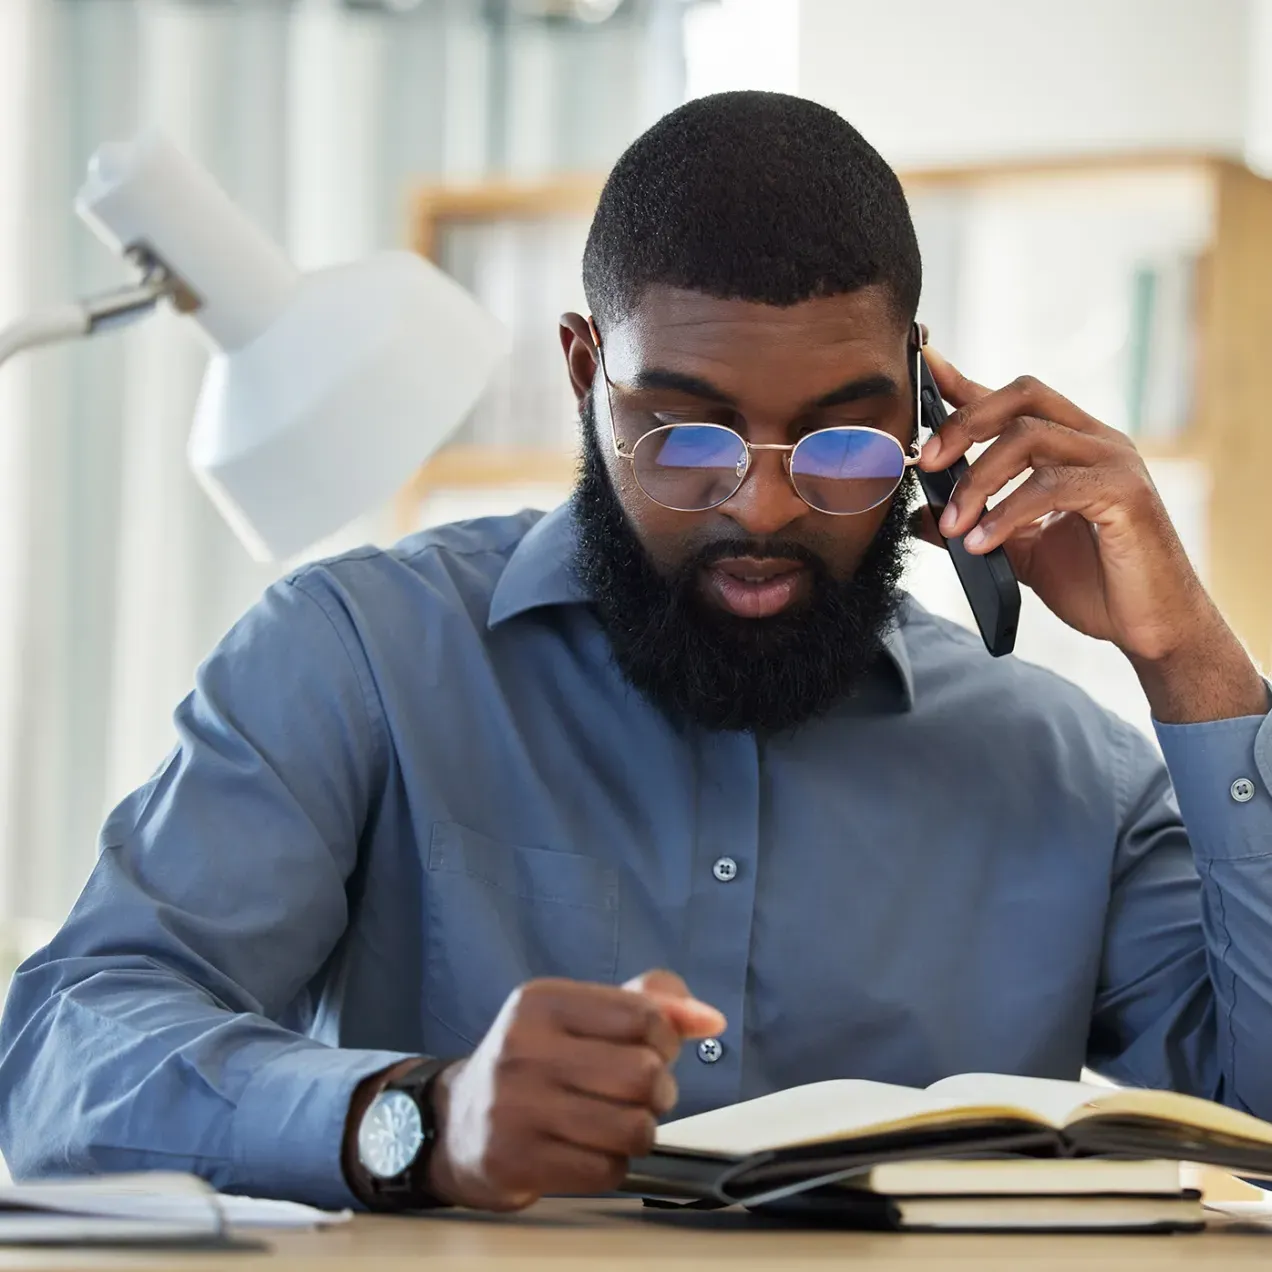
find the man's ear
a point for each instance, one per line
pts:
(580, 353)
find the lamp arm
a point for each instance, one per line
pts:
(50, 327)
(103, 312)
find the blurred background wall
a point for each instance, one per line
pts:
(1086, 179)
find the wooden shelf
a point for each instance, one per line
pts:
(1111, 164)
(465, 467)
(481, 468)
(432, 206)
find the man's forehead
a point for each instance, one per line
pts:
(673, 327)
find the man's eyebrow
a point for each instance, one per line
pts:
(679, 382)
(694, 386)
(855, 390)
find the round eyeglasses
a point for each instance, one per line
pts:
(841, 471)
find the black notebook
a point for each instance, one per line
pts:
(762, 1151)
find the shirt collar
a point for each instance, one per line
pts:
(540, 572)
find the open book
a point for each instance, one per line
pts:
(810, 1136)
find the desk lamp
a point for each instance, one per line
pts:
(324, 390)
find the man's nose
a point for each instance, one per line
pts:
(766, 502)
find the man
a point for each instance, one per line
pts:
(453, 799)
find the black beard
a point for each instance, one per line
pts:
(702, 665)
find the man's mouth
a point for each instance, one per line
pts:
(753, 587)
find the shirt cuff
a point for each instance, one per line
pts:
(290, 1123)
(1222, 774)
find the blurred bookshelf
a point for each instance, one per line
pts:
(518, 246)
(1138, 285)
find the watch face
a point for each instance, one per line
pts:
(390, 1135)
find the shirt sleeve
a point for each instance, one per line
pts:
(1185, 997)
(146, 1034)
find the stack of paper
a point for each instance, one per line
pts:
(154, 1208)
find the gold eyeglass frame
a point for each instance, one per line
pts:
(909, 458)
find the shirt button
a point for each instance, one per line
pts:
(725, 869)
(1242, 790)
(710, 1050)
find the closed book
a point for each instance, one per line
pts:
(1114, 1213)
(1020, 1176)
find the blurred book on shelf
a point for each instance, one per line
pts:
(1161, 353)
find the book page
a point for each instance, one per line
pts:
(842, 1109)
(817, 1113)
(1183, 1110)
(1050, 1099)
(1067, 1103)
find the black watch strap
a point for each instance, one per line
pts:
(409, 1190)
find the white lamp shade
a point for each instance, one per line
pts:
(325, 414)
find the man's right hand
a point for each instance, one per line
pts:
(565, 1087)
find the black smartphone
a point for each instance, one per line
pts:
(989, 581)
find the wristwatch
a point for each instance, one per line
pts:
(395, 1141)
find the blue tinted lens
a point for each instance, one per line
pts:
(690, 467)
(842, 470)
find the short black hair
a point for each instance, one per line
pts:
(751, 196)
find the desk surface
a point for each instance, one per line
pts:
(556, 1236)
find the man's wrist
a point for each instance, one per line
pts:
(441, 1182)
(356, 1175)
(1209, 678)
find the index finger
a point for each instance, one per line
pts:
(615, 1015)
(956, 388)
(691, 1017)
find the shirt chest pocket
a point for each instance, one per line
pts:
(500, 914)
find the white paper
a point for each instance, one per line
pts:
(172, 1204)
(26, 1228)
(1256, 1211)
(135, 1209)
(260, 1212)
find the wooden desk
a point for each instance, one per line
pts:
(558, 1236)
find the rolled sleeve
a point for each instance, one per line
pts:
(1222, 774)
(290, 1122)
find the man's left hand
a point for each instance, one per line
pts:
(1088, 532)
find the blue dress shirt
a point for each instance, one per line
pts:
(409, 780)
